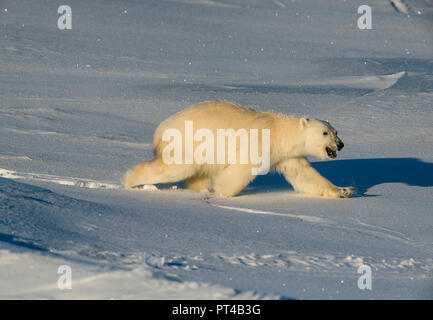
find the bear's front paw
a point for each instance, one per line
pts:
(346, 192)
(339, 192)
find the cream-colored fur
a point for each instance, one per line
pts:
(292, 139)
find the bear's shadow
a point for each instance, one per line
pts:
(359, 173)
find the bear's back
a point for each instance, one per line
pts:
(211, 115)
(217, 108)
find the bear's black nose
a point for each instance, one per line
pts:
(340, 145)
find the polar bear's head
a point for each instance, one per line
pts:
(321, 138)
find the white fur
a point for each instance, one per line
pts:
(292, 139)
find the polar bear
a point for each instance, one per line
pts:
(292, 139)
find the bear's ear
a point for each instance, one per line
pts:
(303, 122)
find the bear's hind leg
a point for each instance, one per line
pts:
(232, 180)
(156, 171)
(198, 183)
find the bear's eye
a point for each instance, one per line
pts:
(325, 133)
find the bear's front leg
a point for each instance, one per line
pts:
(304, 178)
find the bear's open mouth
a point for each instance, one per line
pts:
(331, 153)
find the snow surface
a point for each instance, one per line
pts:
(78, 108)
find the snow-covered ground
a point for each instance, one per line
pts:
(78, 108)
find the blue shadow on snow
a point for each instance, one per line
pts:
(362, 174)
